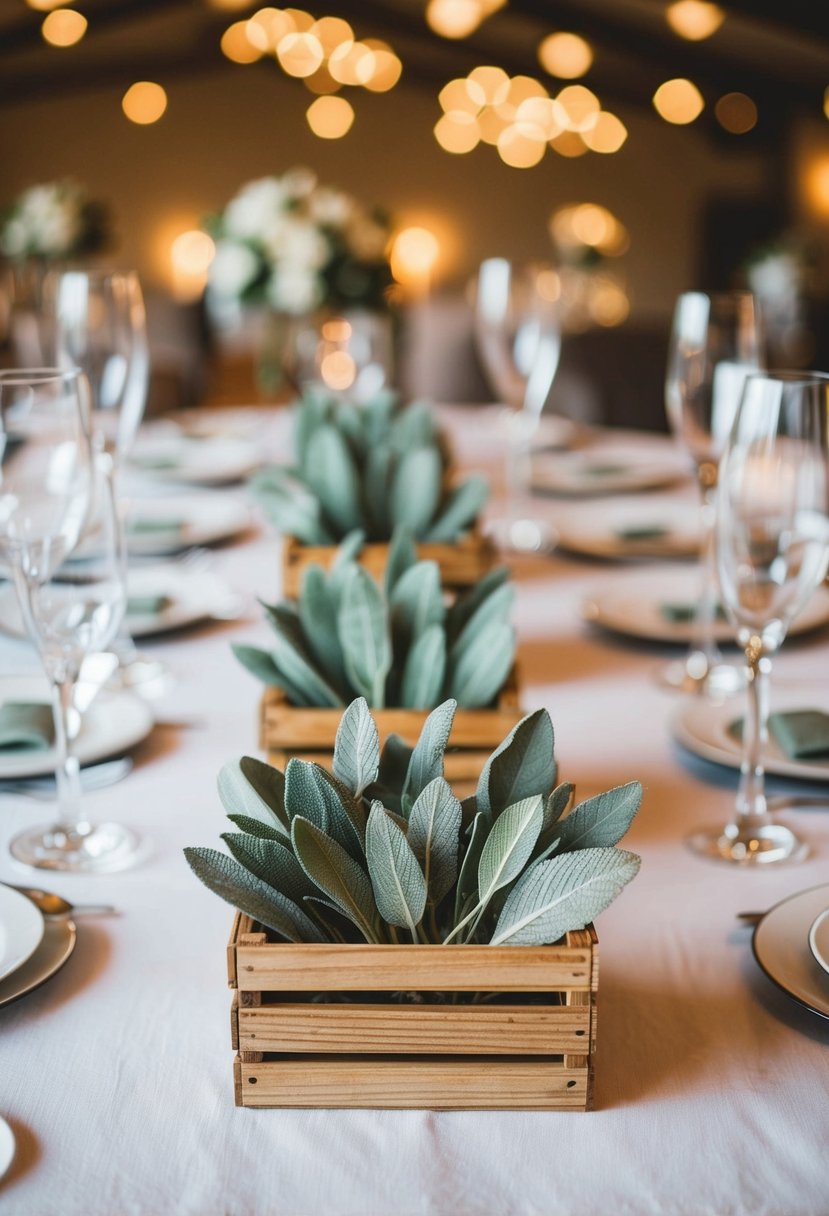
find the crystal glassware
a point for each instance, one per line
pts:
(518, 337)
(715, 344)
(772, 550)
(54, 495)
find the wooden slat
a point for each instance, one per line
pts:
(447, 1084)
(288, 967)
(467, 1030)
(231, 949)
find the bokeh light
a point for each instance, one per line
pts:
(607, 135)
(299, 54)
(330, 117)
(63, 27)
(144, 102)
(457, 132)
(237, 46)
(190, 256)
(565, 55)
(414, 254)
(459, 18)
(44, 6)
(736, 113)
(694, 19)
(678, 101)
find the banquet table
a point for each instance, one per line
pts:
(711, 1085)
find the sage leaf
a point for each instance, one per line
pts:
(434, 831)
(522, 765)
(414, 427)
(362, 624)
(318, 617)
(426, 761)
(377, 480)
(415, 490)
(269, 784)
(601, 821)
(332, 475)
(303, 795)
(259, 663)
(495, 607)
(252, 827)
(240, 797)
(271, 861)
(348, 551)
(466, 605)
(424, 670)
(336, 874)
(467, 887)
(232, 882)
(416, 603)
(396, 878)
(460, 511)
(481, 671)
(564, 893)
(292, 510)
(345, 814)
(402, 556)
(554, 808)
(357, 748)
(509, 846)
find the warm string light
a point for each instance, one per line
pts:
(565, 55)
(190, 256)
(414, 255)
(518, 117)
(459, 18)
(144, 102)
(63, 27)
(590, 294)
(678, 101)
(324, 53)
(736, 113)
(694, 19)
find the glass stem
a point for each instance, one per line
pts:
(751, 809)
(71, 819)
(517, 465)
(703, 642)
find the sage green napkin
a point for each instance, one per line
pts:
(803, 734)
(155, 463)
(26, 725)
(148, 524)
(147, 605)
(604, 470)
(681, 614)
(643, 532)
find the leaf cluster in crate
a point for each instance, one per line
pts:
(381, 850)
(395, 643)
(375, 467)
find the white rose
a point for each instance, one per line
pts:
(15, 238)
(233, 268)
(298, 242)
(367, 239)
(294, 289)
(248, 215)
(330, 207)
(299, 183)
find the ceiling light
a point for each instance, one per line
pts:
(144, 102)
(237, 46)
(694, 19)
(565, 55)
(457, 132)
(330, 117)
(678, 101)
(414, 253)
(608, 134)
(63, 27)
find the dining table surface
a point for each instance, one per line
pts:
(711, 1083)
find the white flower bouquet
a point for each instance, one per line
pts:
(294, 246)
(51, 222)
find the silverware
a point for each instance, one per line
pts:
(51, 904)
(95, 777)
(750, 918)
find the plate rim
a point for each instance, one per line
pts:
(63, 952)
(6, 1130)
(816, 923)
(18, 898)
(778, 983)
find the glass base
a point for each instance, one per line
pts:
(717, 681)
(758, 846)
(523, 535)
(97, 849)
(150, 678)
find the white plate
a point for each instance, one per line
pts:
(703, 728)
(198, 519)
(634, 607)
(606, 469)
(58, 942)
(21, 929)
(819, 937)
(7, 1147)
(113, 723)
(781, 948)
(593, 529)
(195, 461)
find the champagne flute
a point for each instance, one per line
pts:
(52, 492)
(95, 320)
(772, 547)
(519, 340)
(715, 344)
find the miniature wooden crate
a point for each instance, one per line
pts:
(287, 730)
(461, 564)
(526, 1054)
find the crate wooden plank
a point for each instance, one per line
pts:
(461, 563)
(415, 1082)
(424, 1029)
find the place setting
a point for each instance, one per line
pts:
(622, 530)
(194, 460)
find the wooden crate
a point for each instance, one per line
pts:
(462, 564)
(287, 730)
(534, 1053)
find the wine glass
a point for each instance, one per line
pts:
(772, 548)
(54, 494)
(95, 320)
(715, 345)
(519, 340)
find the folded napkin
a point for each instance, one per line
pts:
(147, 605)
(604, 470)
(801, 734)
(643, 532)
(681, 614)
(148, 524)
(155, 463)
(26, 725)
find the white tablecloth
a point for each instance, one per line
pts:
(712, 1088)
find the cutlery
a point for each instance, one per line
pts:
(750, 918)
(95, 777)
(53, 905)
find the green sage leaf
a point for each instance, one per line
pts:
(332, 475)
(240, 797)
(318, 617)
(424, 670)
(509, 846)
(402, 556)
(303, 795)
(426, 761)
(460, 510)
(415, 490)
(396, 878)
(601, 821)
(362, 624)
(481, 671)
(336, 874)
(357, 748)
(273, 862)
(521, 766)
(434, 832)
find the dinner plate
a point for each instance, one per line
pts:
(605, 469)
(158, 526)
(781, 947)
(634, 607)
(629, 530)
(56, 946)
(703, 728)
(7, 1146)
(819, 938)
(113, 723)
(193, 460)
(21, 929)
